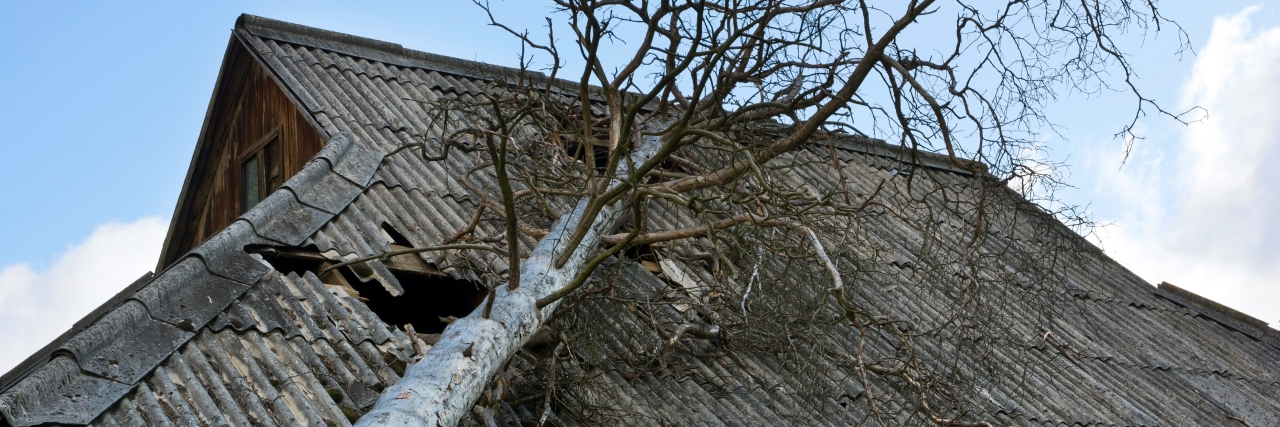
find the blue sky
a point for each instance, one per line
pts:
(100, 106)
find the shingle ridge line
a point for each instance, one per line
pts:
(386, 52)
(442, 193)
(298, 197)
(1214, 310)
(252, 228)
(252, 22)
(205, 262)
(281, 30)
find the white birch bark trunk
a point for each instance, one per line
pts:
(441, 388)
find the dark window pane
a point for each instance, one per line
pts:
(249, 173)
(273, 169)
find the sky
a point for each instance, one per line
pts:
(101, 104)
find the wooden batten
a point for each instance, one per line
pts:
(248, 106)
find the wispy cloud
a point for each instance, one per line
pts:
(1205, 215)
(37, 306)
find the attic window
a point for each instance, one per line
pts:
(261, 170)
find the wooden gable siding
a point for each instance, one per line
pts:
(248, 105)
(261, 108)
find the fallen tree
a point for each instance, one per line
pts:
(702, 118)
(443, 385)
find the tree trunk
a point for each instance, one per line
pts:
(441, 388)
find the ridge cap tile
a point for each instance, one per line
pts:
(358, 163)
(372, 49)
(1213, 310)
(224, 255)
(80, 398)
(126, 344)
(42, 356)
(283, 218)
(335, 148)
(187, 295)
(323, 189)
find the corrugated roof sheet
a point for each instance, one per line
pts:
(221, 338)
(218, 335)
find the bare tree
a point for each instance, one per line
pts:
(690, 145)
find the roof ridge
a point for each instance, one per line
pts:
(394, 53)
(901, 153)
(259, 23)
(379, 50)
(1250, 326)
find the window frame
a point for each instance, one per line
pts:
(257, 151)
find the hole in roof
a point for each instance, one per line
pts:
(671, 165)
(644, 255)
(428, 293)
(668, 169)
(426, 299)
(573, 131)
(394, 236)
(595, 156)
(671, 273)
(290, 259)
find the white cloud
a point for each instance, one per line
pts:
(1207, 217)
(37, 306)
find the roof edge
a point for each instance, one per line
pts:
(168, 254)
(882, 148)
(394, 53)
(33, 362)
(379, 50)
(1216, 311)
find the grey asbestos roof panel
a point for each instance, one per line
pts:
(125, 344)
(329, 192)
(223, 254)
(187, 295)
(251, 377)
(1112, 307)
(59, 393)
(282, 218)
(221, 338)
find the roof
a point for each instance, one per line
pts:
(222, 337)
